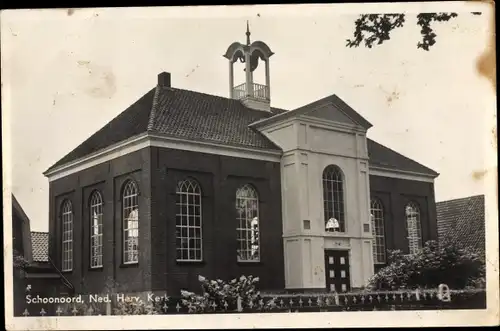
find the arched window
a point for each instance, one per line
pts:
(333, 199)
(67, 235)
(188, 221)
(130, 216)
(377, 216)
(96, 230)
(247, 211)
(413, 227)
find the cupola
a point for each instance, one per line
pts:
(252, 94)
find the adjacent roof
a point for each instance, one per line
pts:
(463, 220)
(199, 116)
(40, 244)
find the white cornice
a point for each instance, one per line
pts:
(214, 148)
(148, 140)
(401, 174)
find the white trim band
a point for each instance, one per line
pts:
(398, 174)
(147, 140)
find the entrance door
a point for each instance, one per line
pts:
(337, 270)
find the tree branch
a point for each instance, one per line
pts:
(375, 29)
(424, 20)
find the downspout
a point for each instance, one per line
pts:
(66, 282)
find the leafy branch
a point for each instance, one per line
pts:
(375, 29)
(424, 21)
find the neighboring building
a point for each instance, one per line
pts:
(184, 183)
(37, 271)
(462, 220)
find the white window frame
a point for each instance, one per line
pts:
(189, 221)
(413, 227)
(96, 230)
(334, 203)
(130, 214)
(378, 231)
(67, 236)
(247, 216)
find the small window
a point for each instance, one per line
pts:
(67, 235)
(130, 223)
(307, 225)
(96, 230)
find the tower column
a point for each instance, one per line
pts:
(268, 80)
(231, 79)
(248, 75)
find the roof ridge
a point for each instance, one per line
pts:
(154, 106)
(226, 99)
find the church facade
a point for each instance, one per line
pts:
(183, 183)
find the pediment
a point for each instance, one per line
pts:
(331, 113)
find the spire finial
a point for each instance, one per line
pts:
(248, 34)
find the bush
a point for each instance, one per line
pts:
(136, 308)
(218, 294)
(434, 264)
(19, 261)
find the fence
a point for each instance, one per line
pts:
(279, 303)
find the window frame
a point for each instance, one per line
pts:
(130, 204)
(334, 176)
(67, 231)
(377, 212)
(188, 218)
(250, 231)
(417, 214)
(96, 204)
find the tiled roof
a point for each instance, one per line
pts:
(385, 157)
(462, 220)
(199, 116)
(40, 244)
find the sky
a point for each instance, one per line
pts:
(65, 74)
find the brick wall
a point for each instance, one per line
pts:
(108, 178)
(219, 177)
(394, 195)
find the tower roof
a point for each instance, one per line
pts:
(237, 50)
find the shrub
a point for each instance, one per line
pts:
(434, 264)
(19, 261)
(218, 294)
(136, 308)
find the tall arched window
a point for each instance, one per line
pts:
(413, 227)
(333, 198)
(188, 221)
(377, 215)
(247, 211)
(67, 235)
(130, 216)
(96, 230)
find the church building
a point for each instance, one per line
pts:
(184, 183)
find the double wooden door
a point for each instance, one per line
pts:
(337, 270)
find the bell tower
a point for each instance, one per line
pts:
(251, 94)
